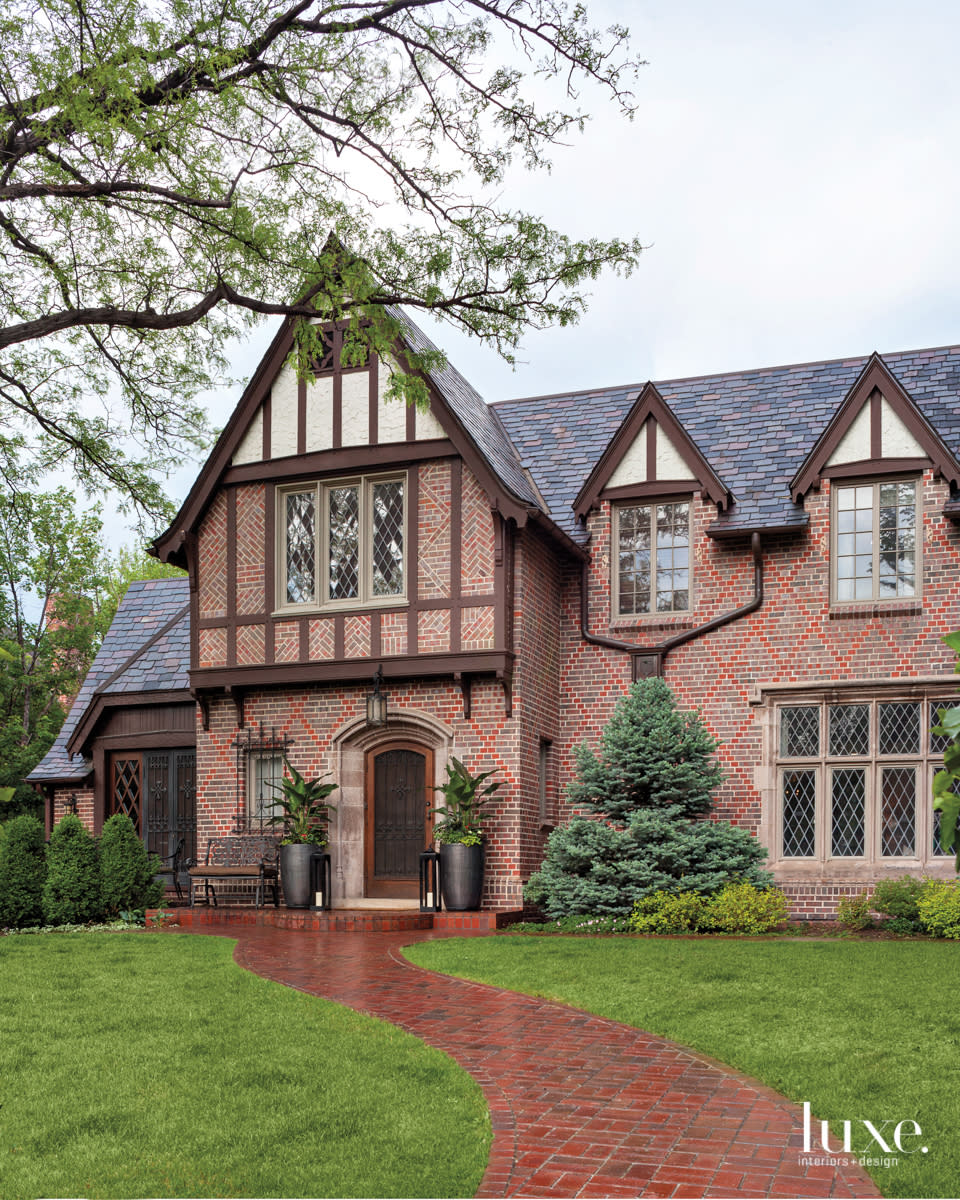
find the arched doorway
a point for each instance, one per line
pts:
(397, 821)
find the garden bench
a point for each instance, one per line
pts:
(236, 858)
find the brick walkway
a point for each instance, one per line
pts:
(581, 1106)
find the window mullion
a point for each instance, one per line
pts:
(653, 558)
(875, 545)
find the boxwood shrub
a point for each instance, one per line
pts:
(23, 870)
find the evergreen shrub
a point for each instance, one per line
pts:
(127, 872)
(71, 894)
(897, 899)
(854, 912)
(938, 907)
(668, 912)
(596, 868)
(23, 869)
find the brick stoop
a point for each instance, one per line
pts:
(339, 920)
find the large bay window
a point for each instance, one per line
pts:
(652, 557)
(342, 542)
(854, 780)
(875, 541)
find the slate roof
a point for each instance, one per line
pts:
(480, 420)
(755, 428)
(129, 661)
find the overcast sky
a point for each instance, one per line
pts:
(795, 173)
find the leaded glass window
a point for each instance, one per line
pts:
(343, 542)
(875, 541)
(653, 557)
(854, 778)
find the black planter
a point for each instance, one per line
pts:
(461, 877)
(295, 874)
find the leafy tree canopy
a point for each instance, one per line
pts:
(175, 161)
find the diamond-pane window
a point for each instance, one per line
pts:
(127, 789)
(653, 558)
(800, 731)
(799, 813)
(847, 809)
(388, 538)
(898, 811)
(938, 741)
(301, 546)
(899, 728)
(343, 514)
(849, 729)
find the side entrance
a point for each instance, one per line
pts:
(397, 821)
(156, 789)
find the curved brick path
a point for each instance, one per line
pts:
(581, 1106)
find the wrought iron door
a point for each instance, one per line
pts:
(398, 821)
(171, 801)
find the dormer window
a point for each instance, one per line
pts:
(876, 548)
(652, 557)
(342, 543)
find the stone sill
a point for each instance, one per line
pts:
(886, 608)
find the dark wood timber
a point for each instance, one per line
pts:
(876, 424)
(301, 416)
(101, 704)
(267, 419)
(655, 489)
(649, 403)
(405, 666)
(337, 397)
(375, 634)
(397, 822)
(230, 494)
(875, 376)
(499, 582)
(373, 403)
(874, 466)
(651, 427)
(411, 416)
(304, 639)
(318, 463)
(339, 636)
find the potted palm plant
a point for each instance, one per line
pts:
(304, 813)
(458, 831)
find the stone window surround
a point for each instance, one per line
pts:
(366, 599)
(768, 698)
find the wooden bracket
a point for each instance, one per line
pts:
(465, 684)
(204, 702)
(236, 695)
(506, 678)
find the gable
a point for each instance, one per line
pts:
(650, 453)
(878, 429)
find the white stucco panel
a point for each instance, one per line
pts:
(632, 468)
(855, 443)
(356, 408)
(670, 464)
(391, 414)
(896, 440)
(320, 414)
(428, 426)
(283, 413)
(251, 445)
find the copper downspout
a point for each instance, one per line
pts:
(648, 660)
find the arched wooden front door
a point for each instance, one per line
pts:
(398, 822)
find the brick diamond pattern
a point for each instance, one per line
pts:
(476, 628)
(799, 813)
(322, 638)
(476, 563)
(899, 728)
(800, 732)
(847, 812)
(580, 1106)
(251, 640)
(213, 559)
(433, 551)
(899, 809)
(213, 647)
(433, 631)
(849, 726)
(286, 641)
(393, 633)
(250, 557)
(356, 637)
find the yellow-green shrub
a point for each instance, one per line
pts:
(742, 908)
(668, 912)
(938, 907)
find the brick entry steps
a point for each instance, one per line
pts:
(580, 1106)
(339, 920)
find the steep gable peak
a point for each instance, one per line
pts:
(650, 454)
(877, 429)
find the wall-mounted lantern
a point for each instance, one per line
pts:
(377, 702)
(72, 803)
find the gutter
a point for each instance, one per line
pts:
(648, 660)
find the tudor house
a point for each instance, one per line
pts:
(781, 545)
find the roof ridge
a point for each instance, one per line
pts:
(837, 360)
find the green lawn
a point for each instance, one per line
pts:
(863, 1030)
(146, 1065)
